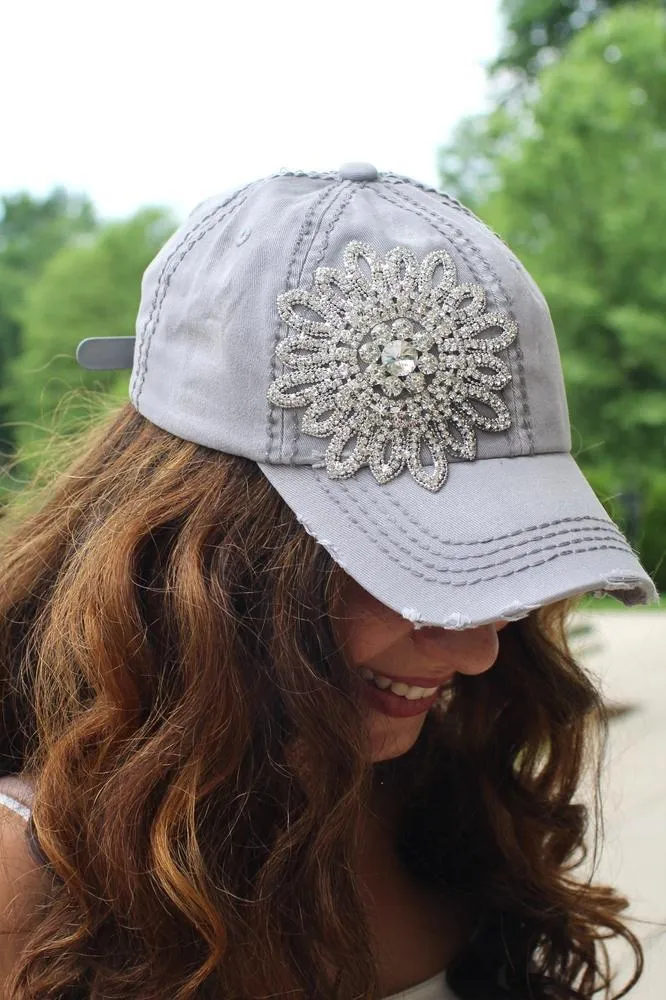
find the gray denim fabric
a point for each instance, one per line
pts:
(513, 529)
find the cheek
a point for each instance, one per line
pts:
(366, 639)
(369, 627)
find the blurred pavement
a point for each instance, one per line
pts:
(626, 650)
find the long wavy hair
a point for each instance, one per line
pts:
(167, 639)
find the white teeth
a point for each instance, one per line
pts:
(411, 693)
(382, 682)
(399, 688)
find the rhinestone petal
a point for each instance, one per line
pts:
(323, 415)
(383, 469)
(429, 265)
(295, 352)
(315, 323)
(280, 395)
(432, 479)
(469, 299)
(342, 466)
(499, 422)
(457, 435)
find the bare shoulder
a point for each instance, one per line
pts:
(23, 884)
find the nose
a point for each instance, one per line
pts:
(467, 651)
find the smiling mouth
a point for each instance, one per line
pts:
(391, 701)
(410, 692)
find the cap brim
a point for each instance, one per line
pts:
(501, 537)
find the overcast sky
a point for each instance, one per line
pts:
(152, 102)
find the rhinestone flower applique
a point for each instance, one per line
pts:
(388, 361)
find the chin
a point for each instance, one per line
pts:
(390, 738)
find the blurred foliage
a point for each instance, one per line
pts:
(537, 30)
(571, 175)
(87, 288)
(31, 232)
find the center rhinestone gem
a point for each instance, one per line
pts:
(399, 357)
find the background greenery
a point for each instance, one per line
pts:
(64, 276)
(567, 166)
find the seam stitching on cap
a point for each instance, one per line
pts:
(611, 536)
(164, 280)
(575, 550)
(271, 415)
(522, 418)
(347, 195)
(327, 175)
(334, 190)
(406, 515)
(443, 196)
(599, 531)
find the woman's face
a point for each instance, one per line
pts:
(386, 650)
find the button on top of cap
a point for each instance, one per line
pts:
(358, 172)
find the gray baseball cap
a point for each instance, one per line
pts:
(393, 370)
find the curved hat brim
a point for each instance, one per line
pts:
(502, 537)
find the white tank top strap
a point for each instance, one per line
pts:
(18, 807)
(436, 988)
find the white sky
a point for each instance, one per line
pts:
(155, 102)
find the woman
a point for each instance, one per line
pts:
(296, 717)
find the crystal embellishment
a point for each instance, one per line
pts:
(399, 357)
(395, 361)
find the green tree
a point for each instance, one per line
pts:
(31, 231)
(537, 30)
(572, 177)
(90, 289)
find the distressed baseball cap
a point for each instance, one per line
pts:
(393, 370)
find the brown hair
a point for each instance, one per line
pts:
(166, 635)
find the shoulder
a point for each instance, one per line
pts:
(23, 883)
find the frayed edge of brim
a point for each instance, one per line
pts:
(457, 620)
(627, 591)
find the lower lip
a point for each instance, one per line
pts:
(393, 704)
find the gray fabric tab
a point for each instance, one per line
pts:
(106, 353)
